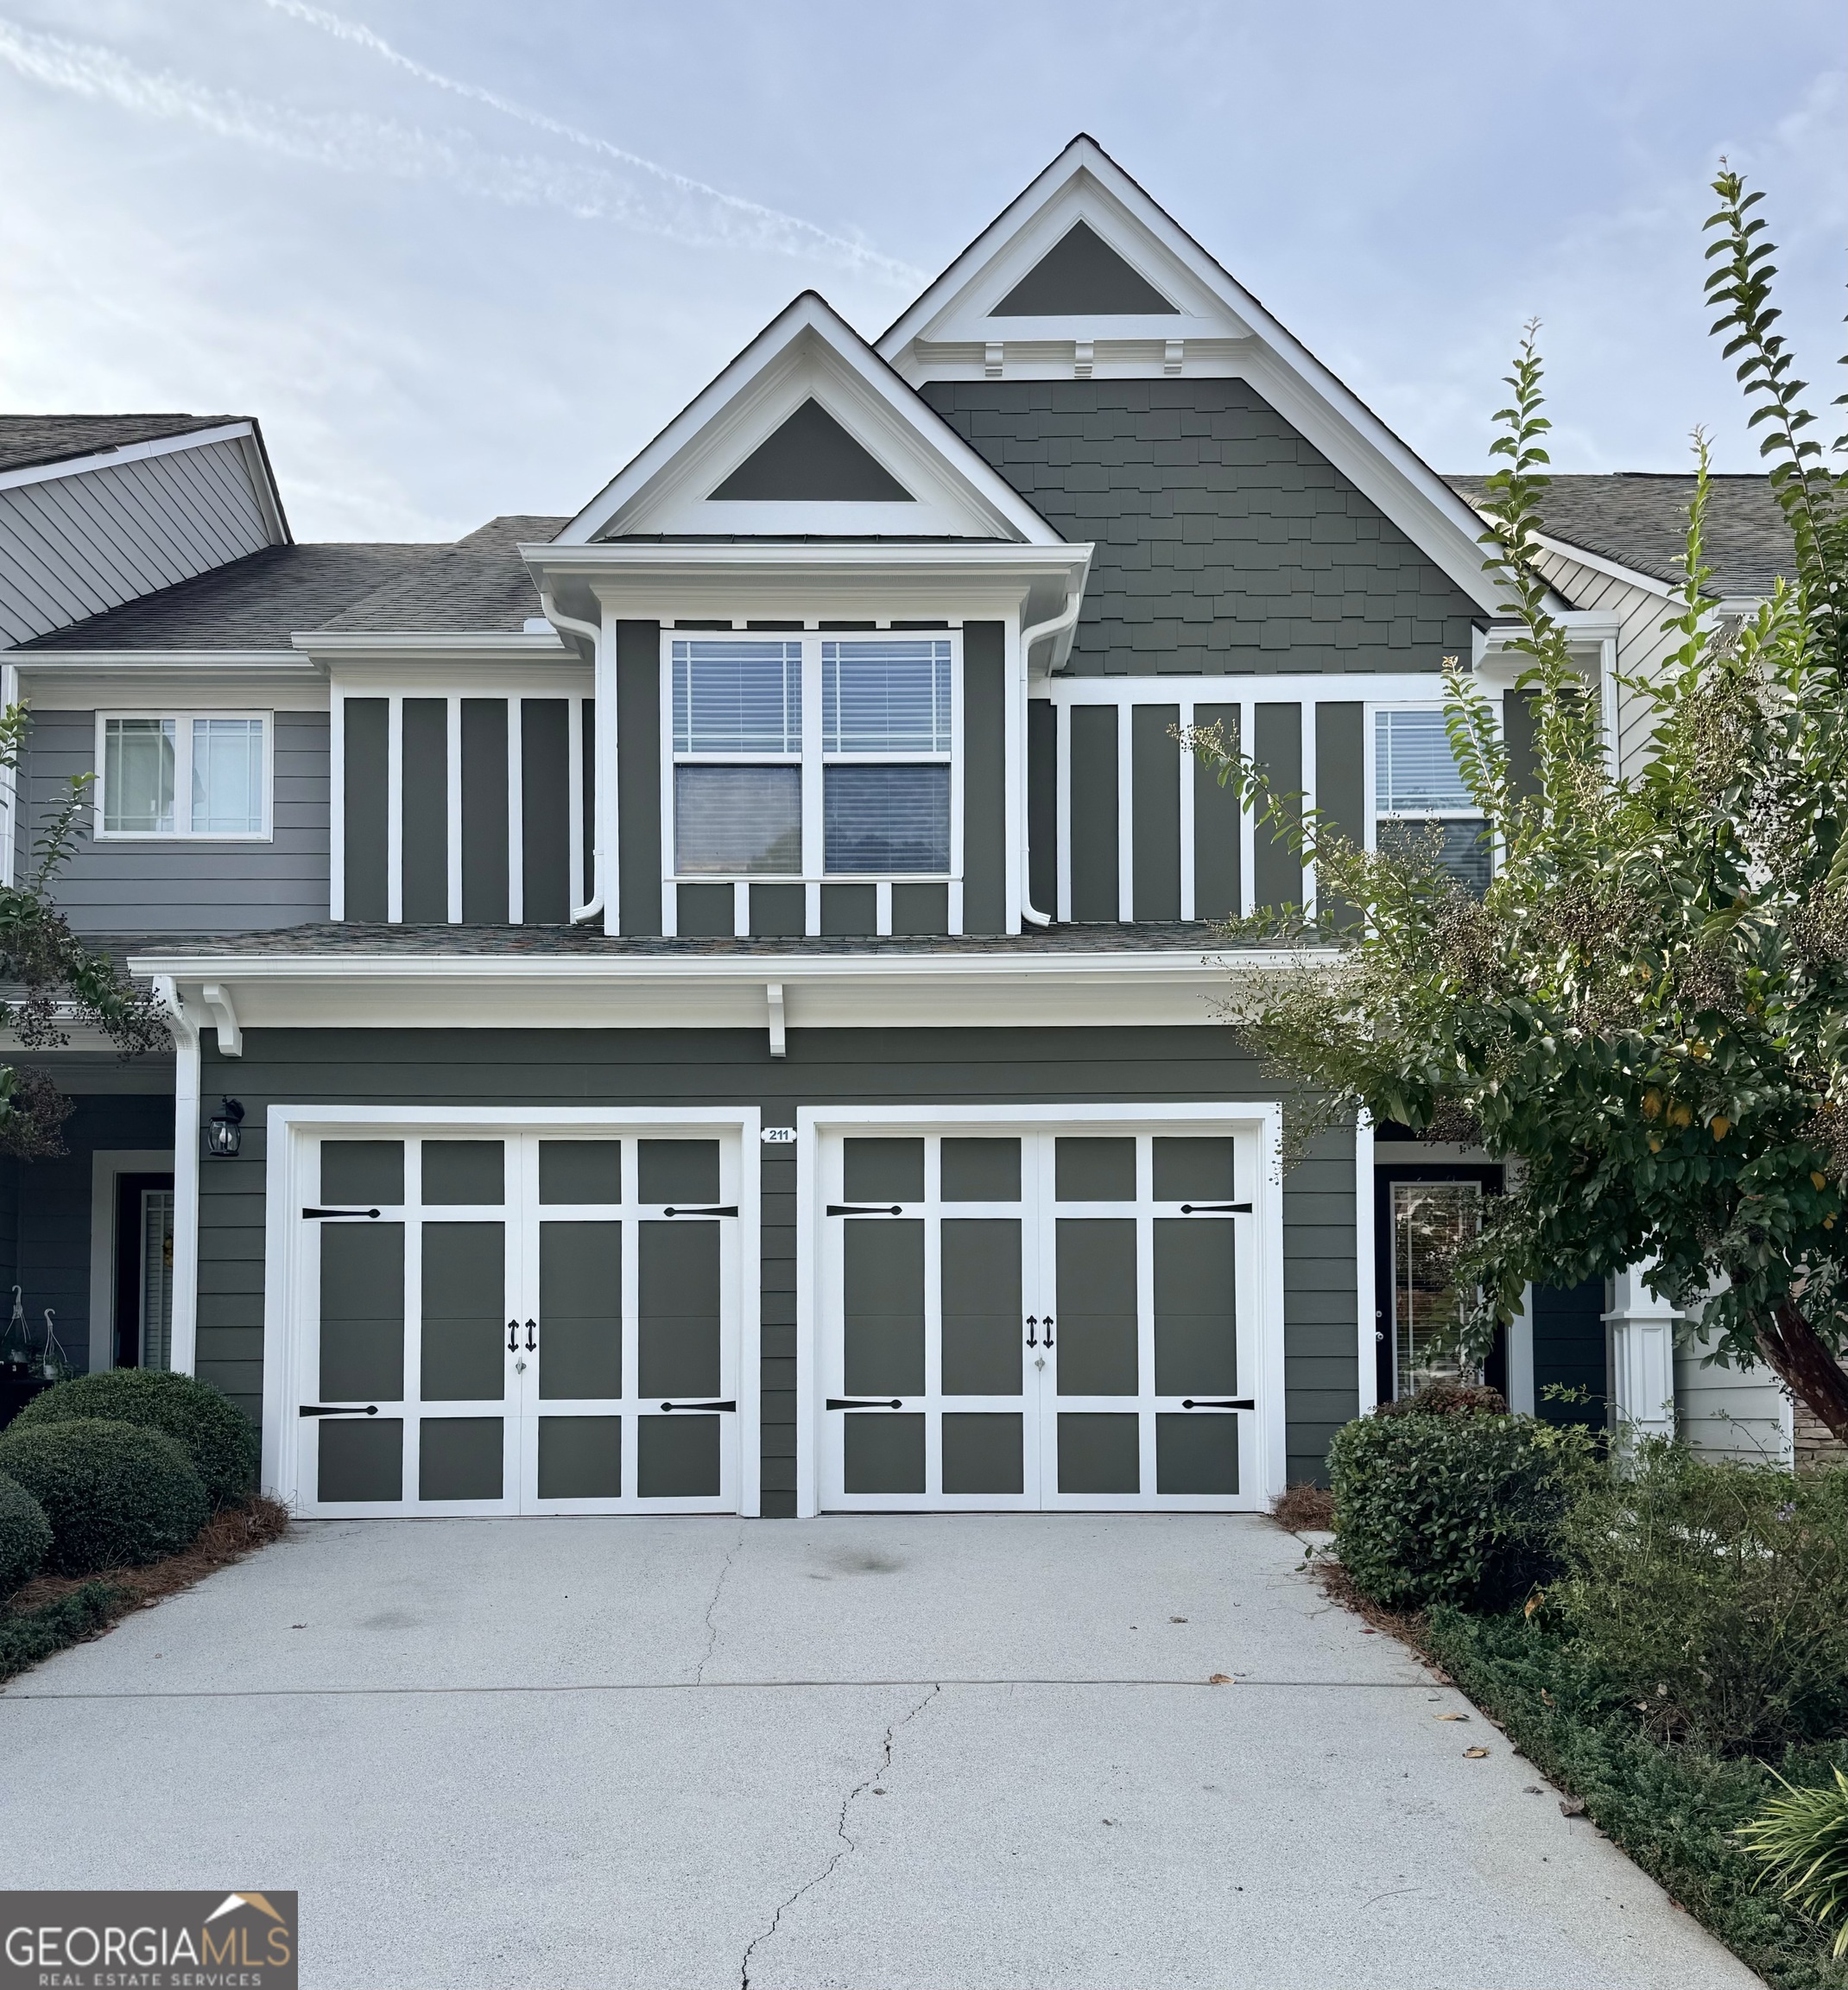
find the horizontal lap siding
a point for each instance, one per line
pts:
(186, 885)
(676, 1068)
(1225, 541)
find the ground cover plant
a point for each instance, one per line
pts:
(52, 1611)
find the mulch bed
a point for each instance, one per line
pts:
(54, 1611)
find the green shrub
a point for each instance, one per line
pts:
(1802, 1837)
(116, 1494)
(220, 1440)
(1458, 1507)
(28, 1636)
(1715, 1599)
(25, 1536)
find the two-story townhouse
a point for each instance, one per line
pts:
(710, 1005)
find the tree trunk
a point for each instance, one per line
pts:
(1803, 1362)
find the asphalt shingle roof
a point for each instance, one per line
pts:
(1639, 519)
(256, 603)
(348, 937)
(27, 441)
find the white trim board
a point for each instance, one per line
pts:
(105, 1164)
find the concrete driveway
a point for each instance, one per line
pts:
(961, 1753)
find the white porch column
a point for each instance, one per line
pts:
(1642, 1358)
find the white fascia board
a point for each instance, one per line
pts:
(1327, 411)
(126, 453)
(1601, 563)
(450, 991)
(649, 581)
(348, 647)
(63, 662)
(704, 419)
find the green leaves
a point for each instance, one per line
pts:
(1648, 1007)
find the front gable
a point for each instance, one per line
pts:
(808, 434)
(1085, 278)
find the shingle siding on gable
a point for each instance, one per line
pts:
(1225, 541)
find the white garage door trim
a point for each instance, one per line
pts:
(287, 1188)
(1263, 1119)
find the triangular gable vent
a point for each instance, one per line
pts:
(812, 459)
(1081, 276)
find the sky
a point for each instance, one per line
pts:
(465, 259)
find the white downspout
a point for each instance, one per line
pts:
(1067, 617)
(604, 763)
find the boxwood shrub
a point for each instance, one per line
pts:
(220, 1440)
(25, 1536)
(116, 1494)
(1458, 1506)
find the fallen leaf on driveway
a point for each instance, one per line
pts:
(1450, 1717)
(1572, 1806)
(1220, 1679)
(1475, 1754)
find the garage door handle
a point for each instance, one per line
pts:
(863, 1209)
(726, 1209)
(699, 1406)
(858, 1403)
(339, 1212)
(1238, 1402)
(1215, 1208)
(339, 1409)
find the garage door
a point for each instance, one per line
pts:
(529, 1322)
(1021, 1320)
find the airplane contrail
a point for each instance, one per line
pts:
(355, 142)
(769, 225)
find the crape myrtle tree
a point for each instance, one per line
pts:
(51, 979)
(1647, 1009)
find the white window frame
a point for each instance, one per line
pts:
(811, 761)
(1377, 810)
(183, 722)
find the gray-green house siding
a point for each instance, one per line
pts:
(1225, 541)
(669, 1068)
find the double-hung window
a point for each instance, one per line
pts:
(1422, 807)
(188, 774)
(813, 756)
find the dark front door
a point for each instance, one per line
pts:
(144, 1271)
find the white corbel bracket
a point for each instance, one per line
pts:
(217, 1001)
(779, 1041)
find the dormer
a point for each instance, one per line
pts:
(807, 435)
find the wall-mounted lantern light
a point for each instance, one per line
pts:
(225, 1130)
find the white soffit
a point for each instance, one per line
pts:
(1219, 328)
(808, 353)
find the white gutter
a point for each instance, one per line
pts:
(1065, 619)
(604, 763)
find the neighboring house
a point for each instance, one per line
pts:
(718, 986)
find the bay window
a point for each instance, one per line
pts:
(1421, 804)
(184, 774)
(813, 756)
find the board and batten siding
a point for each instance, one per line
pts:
(188, 884)
(70, 547)
(674, 1068)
